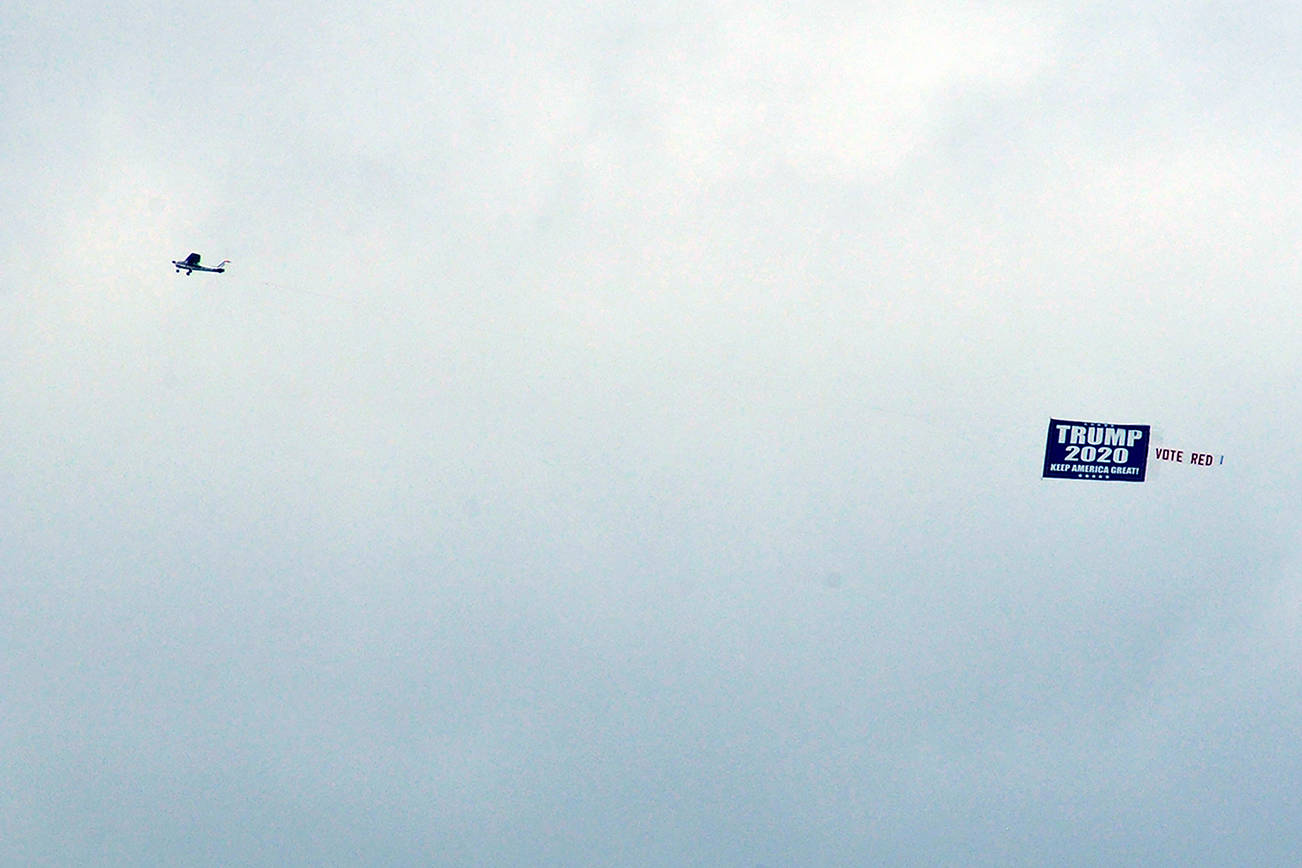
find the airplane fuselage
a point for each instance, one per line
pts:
(188, 268)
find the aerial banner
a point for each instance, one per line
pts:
(1183, 456)
(1096, 450)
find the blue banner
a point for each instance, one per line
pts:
(1096, 450)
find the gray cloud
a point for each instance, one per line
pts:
(617, 438)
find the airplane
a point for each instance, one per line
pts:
(191, 263)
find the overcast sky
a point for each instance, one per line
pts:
(617, 438)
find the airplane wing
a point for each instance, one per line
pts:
(192, 259)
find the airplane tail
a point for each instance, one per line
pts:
(224, 263)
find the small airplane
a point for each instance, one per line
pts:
(191, 263)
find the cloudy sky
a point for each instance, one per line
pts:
(617, 439)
